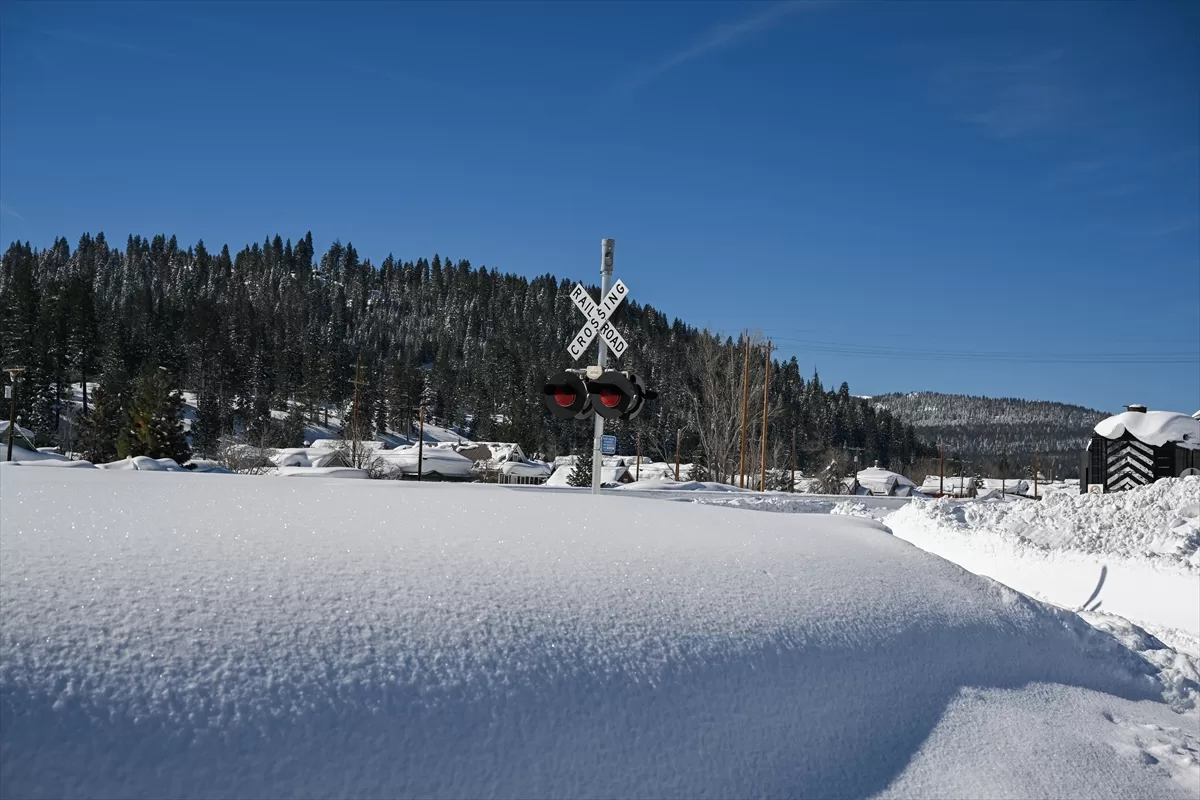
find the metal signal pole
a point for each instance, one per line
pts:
(606, 270)
(762, 486)
(745, 413)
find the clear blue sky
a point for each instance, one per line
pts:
(909, 185)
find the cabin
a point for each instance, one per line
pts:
(1137, 447)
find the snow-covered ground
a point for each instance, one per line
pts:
(229, 636)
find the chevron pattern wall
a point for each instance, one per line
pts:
(1130, 464)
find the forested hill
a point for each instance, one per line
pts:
(986, 426)
(278, 326)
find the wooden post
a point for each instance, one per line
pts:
(639, 457)
(745, 413)
(421, 443)
(941, 471)
(762, 485)
(678, 434)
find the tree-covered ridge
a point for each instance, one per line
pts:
(988, 427)
(279, 326)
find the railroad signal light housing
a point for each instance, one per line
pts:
(567, 396)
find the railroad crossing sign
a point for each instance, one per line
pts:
(598, 320)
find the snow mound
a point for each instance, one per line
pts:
(1159, 522)
(663, 483)
(143, 464)
(232, 637)
(1155, 428)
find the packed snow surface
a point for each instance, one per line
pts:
(233, 636)
(1155, 428)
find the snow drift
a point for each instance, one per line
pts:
(387, 639)
(1133, 552)
(1158, 522)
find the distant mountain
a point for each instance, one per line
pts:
(985, 428)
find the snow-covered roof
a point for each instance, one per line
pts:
(22, 433)
(442, 460)
(526, 469)
(881, 481)
(1155, 428)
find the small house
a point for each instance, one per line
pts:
(1137, 447)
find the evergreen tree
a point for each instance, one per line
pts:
(291, 432)
(699, 465)
(99, 428)
(206, 430)
(154, 420)
(581, 473)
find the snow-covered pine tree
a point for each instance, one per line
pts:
(581, 473)
(154, 421)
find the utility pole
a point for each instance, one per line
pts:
(792, 485)
(606, 271)
(1035, 475)
(678, 434)
(762, 485)
(745, 413)
(639, 457)
(356, 454)
(421, 442)
(13, 374)
(941, 470)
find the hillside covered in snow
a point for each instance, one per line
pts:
(984, 428)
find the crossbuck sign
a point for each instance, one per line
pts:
(598, 320)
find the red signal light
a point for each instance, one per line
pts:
(564, 396)
(610, 396)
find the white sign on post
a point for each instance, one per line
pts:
(598, 320)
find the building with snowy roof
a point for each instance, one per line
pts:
(880, 482)
(1137, 447)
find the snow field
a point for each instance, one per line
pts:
(240, 637)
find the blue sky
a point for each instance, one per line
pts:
(998, 199)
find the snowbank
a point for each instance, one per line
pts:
(319, 472)
(1155, 428)
(1134, 552)
(143, 464)
(664, 483)
(305, 644)
(1159, 522)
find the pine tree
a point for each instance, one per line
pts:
(291, 431)
(154, 421)
(581, 473)
(100, 427)
(206, 430)
(699, 465)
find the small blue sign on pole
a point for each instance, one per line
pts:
(608, 445)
